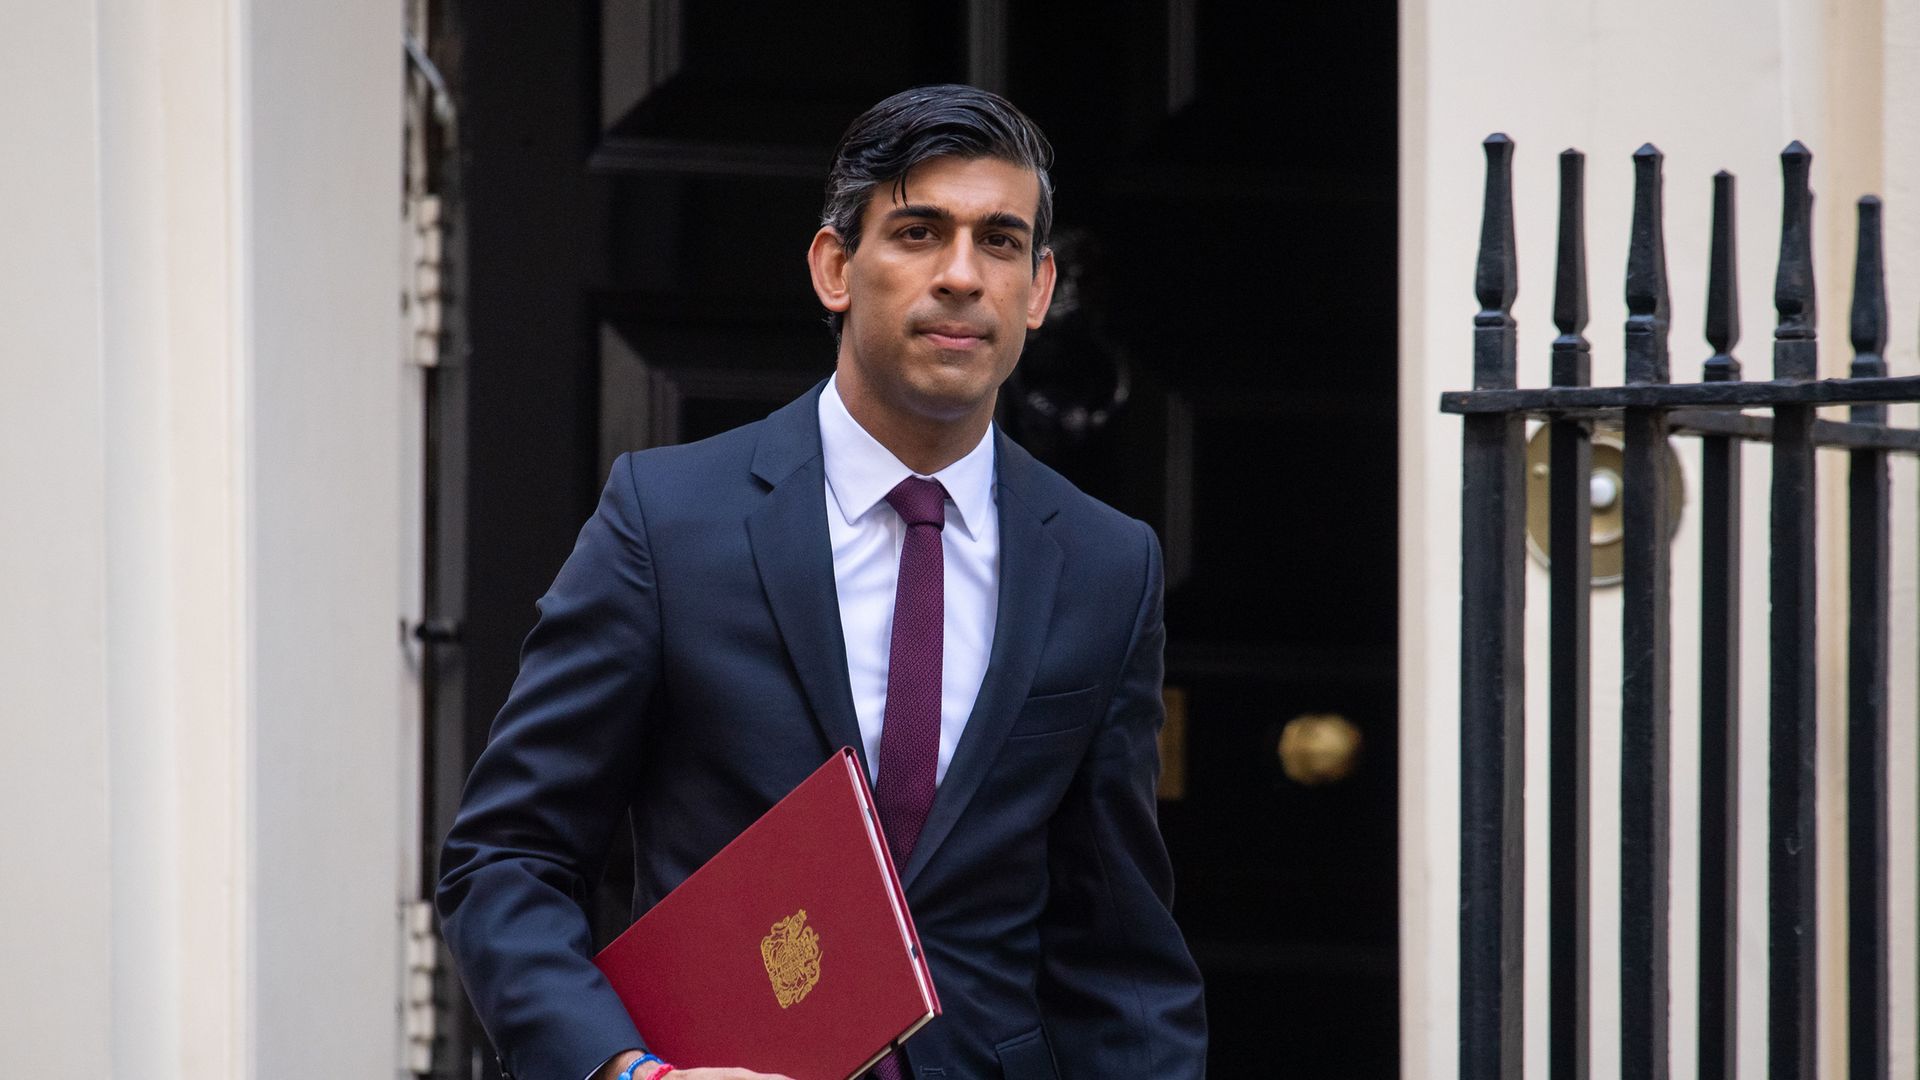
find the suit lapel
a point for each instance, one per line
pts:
(794, 556)
(1029, 573)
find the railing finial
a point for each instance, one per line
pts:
(1647, 302)
(1496, 279)
(1869, 323)
(1793, 295)
(1723, 285)
(1570, 273)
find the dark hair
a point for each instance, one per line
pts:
(928, 122)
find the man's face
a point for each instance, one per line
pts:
(941, 292)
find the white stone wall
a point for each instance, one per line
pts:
(203, 700)
(1714, 85)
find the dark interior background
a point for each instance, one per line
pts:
(631, 192)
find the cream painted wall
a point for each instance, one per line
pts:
(53, 616)
(204, 701)
(1714, 85)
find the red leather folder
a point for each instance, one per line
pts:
(791, 951)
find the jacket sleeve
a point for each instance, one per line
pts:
(1119, 991)
(538, 809)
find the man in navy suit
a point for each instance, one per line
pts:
(874, 565)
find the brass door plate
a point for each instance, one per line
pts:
(1607, 489)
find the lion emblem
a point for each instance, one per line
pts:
(792, 956)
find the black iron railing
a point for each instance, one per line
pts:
(1649, 407)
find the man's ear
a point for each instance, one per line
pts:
(1042, 297)
(827, 263)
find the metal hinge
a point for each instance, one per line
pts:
(423, 300)
(420, 1018)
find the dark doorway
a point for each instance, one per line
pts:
(634, 188)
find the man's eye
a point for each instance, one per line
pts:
(916, 232)
(1002, 240)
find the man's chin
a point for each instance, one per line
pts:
(949, 400)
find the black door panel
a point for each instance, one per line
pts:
(637, 183)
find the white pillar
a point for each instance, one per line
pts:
(203, 702)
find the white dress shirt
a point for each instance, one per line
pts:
(867, 535)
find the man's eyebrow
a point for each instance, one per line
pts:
(999, 219)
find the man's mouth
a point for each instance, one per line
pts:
(957, 336)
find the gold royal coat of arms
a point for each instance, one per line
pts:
(792, 956)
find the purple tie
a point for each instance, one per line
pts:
(910, 733)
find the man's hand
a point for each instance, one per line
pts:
(612, 1070)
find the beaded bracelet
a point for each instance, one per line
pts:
(631, 1072)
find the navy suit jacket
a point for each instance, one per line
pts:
(687, 670)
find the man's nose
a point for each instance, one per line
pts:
(960, 270)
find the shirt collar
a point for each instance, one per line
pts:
(861, 471)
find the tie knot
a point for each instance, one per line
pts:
(919, 502)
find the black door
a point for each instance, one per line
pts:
(636, 184)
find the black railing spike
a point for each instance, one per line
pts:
(1723, 284)
(1869, 567)
(1869, 323)
(1793, 985)
(1492, 715)
(1496, 279)
(1793, 295)
(1718, 973)
(1570, 273)
(1647, 303)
